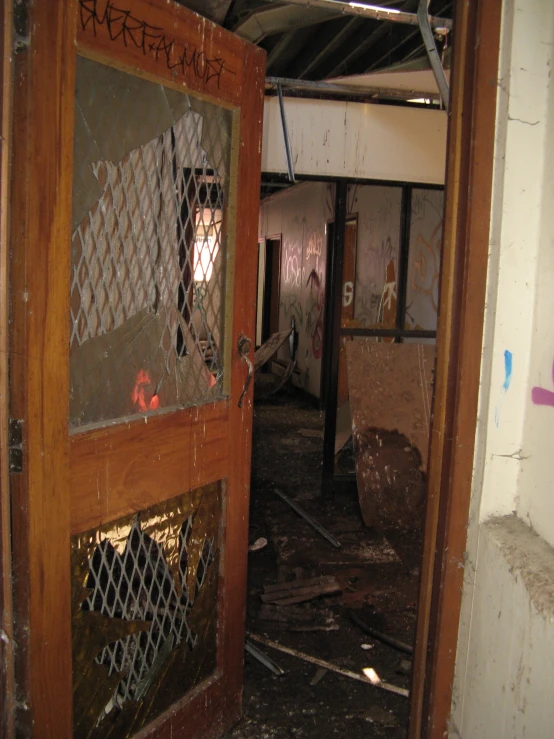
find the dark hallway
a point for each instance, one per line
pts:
(376, 575)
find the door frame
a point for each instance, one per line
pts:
(7, 678)
(467, 221)
(40, 208)
(468, 195)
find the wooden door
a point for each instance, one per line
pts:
(135, 190)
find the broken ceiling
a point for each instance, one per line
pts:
(313, 43)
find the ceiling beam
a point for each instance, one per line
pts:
(358, 50)
(269, 21)
(372, 11)
(328, 42)
(346, 90)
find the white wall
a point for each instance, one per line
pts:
(503, 683)
(342, 139)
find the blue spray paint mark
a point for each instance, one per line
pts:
(505, 386)
(508, 368)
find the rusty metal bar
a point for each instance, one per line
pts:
(431, 48)
(288, 152)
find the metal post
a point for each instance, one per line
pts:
(288, 153)
(332, 335)
(403, 256)
(431, 49)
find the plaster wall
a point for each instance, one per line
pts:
(300, 216)
(503, 683)
(345, 139)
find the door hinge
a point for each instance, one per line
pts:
(15, 444)
(21, 38)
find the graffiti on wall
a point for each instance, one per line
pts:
(424, 258)
(292, 308)
(292, 263)
(543, 396)
(372, 306)
(314, 313)
(425, 275)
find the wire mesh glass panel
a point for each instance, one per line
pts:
(145, 611)
(150, 203)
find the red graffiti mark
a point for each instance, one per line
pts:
(542, 396)
(142, 389)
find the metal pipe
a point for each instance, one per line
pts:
(431, 49)
(288, 152)
(372, 11)
(339, 88)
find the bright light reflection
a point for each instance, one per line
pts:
(205, 252)
(374, 7)
(372, 676)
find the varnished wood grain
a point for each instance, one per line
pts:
(7, 682)
(70, 484)
(41, 202)
(163, 41)
(117, 470)
(459, 341)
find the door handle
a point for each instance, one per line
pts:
(244, 346)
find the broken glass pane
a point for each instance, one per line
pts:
(144, 612)
(150, 201)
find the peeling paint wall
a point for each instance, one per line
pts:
(344, 139)
(504, 681)
(300, 217)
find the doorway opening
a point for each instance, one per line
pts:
(327, 593)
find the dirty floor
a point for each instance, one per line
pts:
(376, 574)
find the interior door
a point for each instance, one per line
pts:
(137, 140)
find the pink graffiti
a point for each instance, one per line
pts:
(542, 396)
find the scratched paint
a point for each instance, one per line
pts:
(543, 396)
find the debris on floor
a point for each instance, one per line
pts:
(299, 591)
(295, 618)
(260, 543)
(391, 391)
(374, 575)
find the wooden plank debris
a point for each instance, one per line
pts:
(267, 350)
(313, 523)
(385, 638)
(297, 618)
(374, 680)
(300, 591)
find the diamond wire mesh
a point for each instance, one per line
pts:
(155, 241)
(138, 585)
